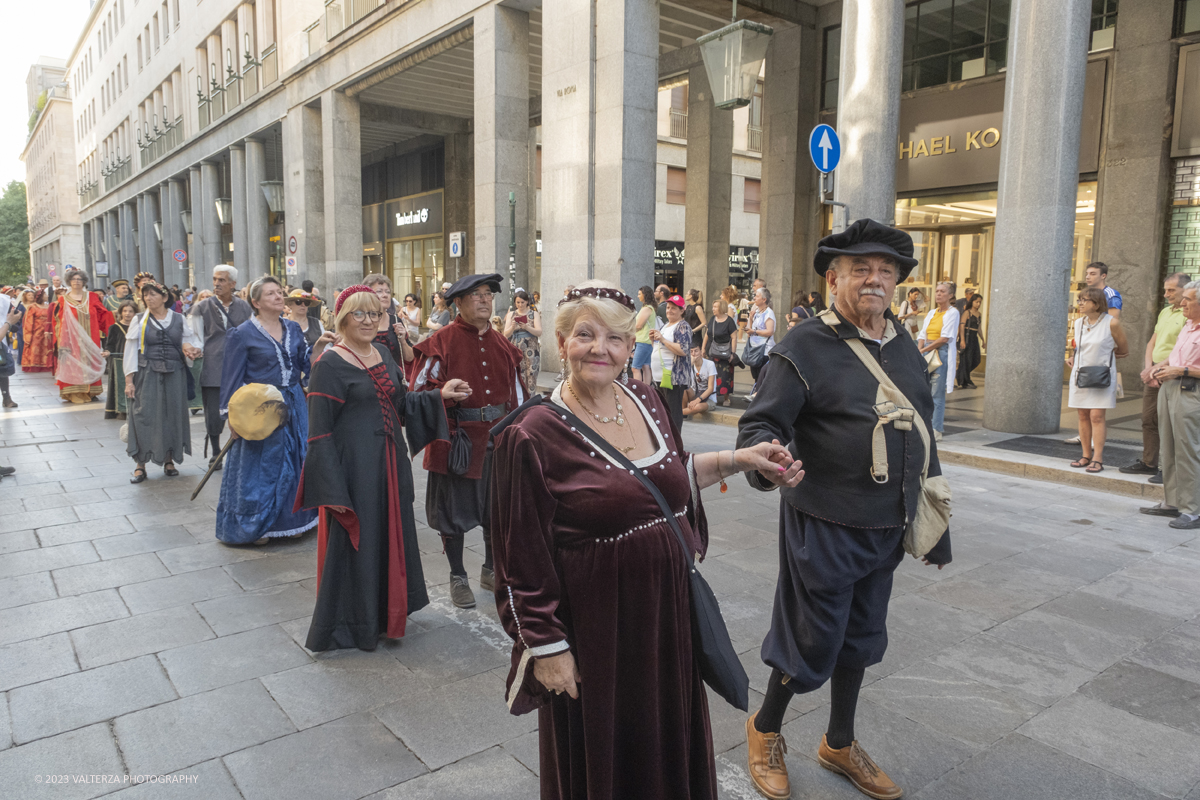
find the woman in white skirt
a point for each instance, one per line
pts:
(1099, 341)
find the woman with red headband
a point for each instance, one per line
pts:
(369, 576)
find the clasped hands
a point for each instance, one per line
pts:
(773, 461)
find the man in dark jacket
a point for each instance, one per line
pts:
(211, 319)
(842, 527)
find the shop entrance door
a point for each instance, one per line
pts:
(416, 267)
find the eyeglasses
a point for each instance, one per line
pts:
(359, 316)
(482, 295)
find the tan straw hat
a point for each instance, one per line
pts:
(256, 411)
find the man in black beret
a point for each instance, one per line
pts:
(842, 528)
(456, 496)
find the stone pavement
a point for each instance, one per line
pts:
(1057, 657)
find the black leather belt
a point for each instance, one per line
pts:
(485, 414)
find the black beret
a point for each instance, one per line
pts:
(867, 237)
(470, 283)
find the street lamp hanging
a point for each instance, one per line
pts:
(733, 57)
(224, 210)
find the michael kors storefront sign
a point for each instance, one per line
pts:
(944, 145)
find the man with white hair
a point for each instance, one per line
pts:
(210, 319)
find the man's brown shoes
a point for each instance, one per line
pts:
(855, 764)
(768, 772)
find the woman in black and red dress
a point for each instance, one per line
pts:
(357, 475)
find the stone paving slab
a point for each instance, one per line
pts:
(232, 659)
(210, 781)
(63, 614)
(338, 684)
(491, 775)
(178, 590)
(89, 751)
(136, 636)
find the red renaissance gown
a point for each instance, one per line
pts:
(39, 340)
(585, 561)
(369, 576)
(73, 356)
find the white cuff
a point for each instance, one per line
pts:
(549, 649)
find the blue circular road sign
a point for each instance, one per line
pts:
(824, 148)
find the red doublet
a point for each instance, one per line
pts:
(488, 363)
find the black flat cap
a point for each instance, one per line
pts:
(470, 283)
(867, 237)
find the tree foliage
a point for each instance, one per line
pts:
(14, 235)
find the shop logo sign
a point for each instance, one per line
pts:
(412, 217)
(944, 145)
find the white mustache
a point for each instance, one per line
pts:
(872, 293)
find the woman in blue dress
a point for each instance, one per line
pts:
(258, 486)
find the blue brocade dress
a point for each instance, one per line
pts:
(259, 482)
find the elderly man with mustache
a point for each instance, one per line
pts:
(842, 529)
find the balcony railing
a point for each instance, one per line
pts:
(754, 138)
(121, 172)
(90, 194)
(166, 141)
(341, 14)
(233, 92)
(679, 123)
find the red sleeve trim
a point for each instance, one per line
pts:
(322, 394)
(322, 436)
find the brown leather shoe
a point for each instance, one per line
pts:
(855, 764)
(768, 772)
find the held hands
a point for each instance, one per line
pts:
(773, 462)
(192, 352)
(105, 354)
(456, 389)
(558, 674)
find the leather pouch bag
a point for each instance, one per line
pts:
(1093, 377)
(459, 459)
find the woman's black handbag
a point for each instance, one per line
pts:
(1093, 378)
(711, 646)
(755, 355)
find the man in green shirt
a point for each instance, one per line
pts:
(1166, 331)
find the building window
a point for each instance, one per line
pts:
(676, 186)
(139, 49)
(1104, 25)
(154, 21)
(679, 111)
(832, 64)
(751, 200)
(754, 127)
(1187, 17)
(954, 40)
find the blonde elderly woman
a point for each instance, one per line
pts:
(369, 576)
(591, 583)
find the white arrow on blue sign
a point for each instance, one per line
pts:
(824, 148)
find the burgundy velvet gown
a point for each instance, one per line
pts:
(584, 559)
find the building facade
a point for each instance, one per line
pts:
(52, 206)
(324, 140)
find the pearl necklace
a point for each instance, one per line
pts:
(619, 418)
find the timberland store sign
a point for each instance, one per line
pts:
(416, 215)
(952, 138)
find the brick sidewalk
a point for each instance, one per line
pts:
(1058, 657)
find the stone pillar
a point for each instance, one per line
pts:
(143, 251)
(129, 249)
(200, 266)
(1130, 220)
(784, 162)
(341, 151)
(869, 107)
(599, 147)
(209, 223)
(237, 181)
(257, 254)
(1035, 214)
(304, 193)
(709, 189)
(153, 260)
(458, 200)
(111, 255)
(173, 222)
(167, 246)
(501, 140)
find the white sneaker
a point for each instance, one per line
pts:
(1072, 440)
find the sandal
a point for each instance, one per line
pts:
(1082, 462)
(1099, 467)
(139, 475)
(169, 470)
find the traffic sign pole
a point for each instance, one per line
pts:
(825, 150)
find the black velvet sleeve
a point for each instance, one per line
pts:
(781, 399)
(323, 482)
(424, 418)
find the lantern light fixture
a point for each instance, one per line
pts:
(733, 57)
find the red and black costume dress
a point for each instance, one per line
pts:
(490, 364)
(368, 566)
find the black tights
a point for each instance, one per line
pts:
(454, 543)
(844, 687)
(4, 386)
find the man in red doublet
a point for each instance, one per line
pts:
(470, 349)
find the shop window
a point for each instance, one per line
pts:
(954, 40)
(676, 186)
(1187, 17)
(1104, 25)
(831, 66)
(751, 199)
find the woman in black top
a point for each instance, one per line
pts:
(720, 349)
(694, 314)
(114, 345)
(970, 337)
(816, 303)
(392, 332)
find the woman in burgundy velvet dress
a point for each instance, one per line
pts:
(590, 580)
